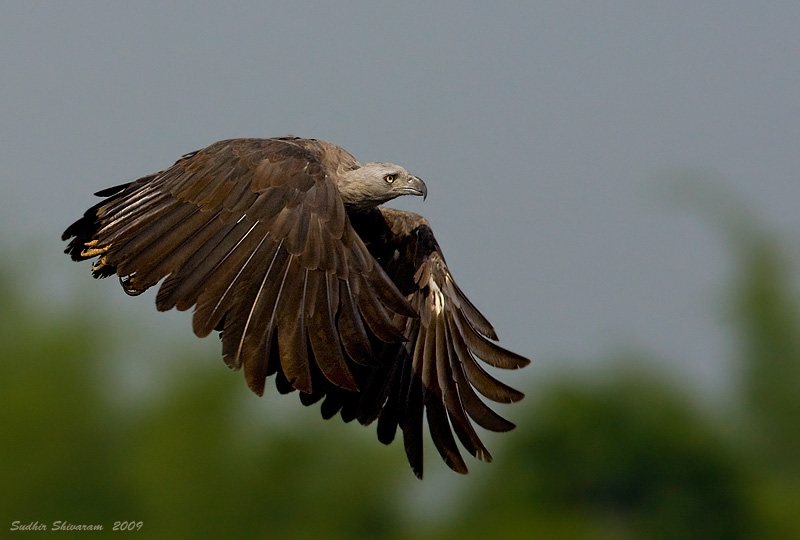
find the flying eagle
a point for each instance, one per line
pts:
(282, 246)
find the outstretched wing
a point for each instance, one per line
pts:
(253, 234)
(435, 373)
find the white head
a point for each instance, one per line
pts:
(376, 183)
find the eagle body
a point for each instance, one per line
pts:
(282, 246)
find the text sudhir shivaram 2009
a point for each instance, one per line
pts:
(67, 526)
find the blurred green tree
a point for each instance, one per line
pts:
(187, 465)
(55, 446)
(765, 313)
(626, 458)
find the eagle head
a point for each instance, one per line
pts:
(376, 183)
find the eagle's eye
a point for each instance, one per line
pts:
(390, 178)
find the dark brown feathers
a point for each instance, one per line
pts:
(352, 304)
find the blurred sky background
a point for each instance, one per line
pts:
(552, 136)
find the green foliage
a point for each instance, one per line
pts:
(625, 458)
(53, 437)
(185, 465)
(766, 313)
(766, 316)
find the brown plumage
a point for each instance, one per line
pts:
(281, 245)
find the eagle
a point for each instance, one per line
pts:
(282, 246)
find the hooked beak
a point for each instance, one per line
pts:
(416, 186)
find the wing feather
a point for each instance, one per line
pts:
(179, 251)
(439, 376)
(215, 294)
(376, 315)
(411, 415)
(351, 328)
(324, 337)
(184, 282)
(292, 333)
(287, 320)
(449, 375)
(240, 305)
(194, 277)
(487, 351)
(436, 414)
(477, 409)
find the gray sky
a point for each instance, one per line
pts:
(546, 132)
